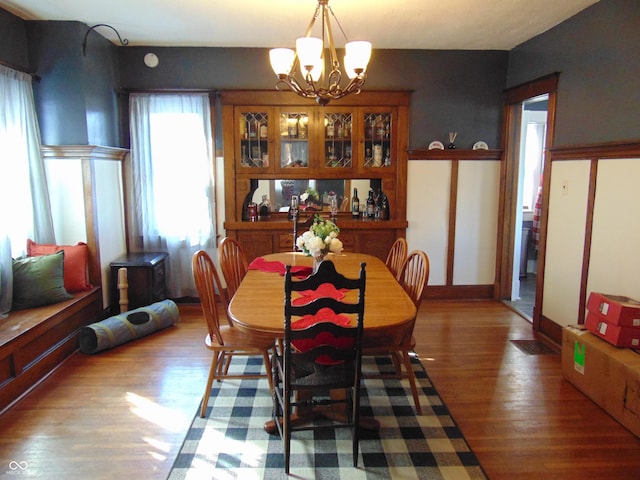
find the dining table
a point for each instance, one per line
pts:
(258, 305)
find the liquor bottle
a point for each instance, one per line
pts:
(371, 205)
(331, 157)
(380, 131)
(387, 159)
(330, 130)
(347, 156)
(346, 129)
(368, 158)
(302, 127)
(355, 204)
(243, 127)
(292, 127)
(252, 128)
(263, 130)
(378, 207)
(284, 125)
(384, 212)
(370, 127)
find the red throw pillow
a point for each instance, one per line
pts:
(76, 262)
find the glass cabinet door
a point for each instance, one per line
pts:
(254, 137)
(293, 131)
(337, 126)
(378, 132)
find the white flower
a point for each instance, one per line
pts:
(304, 196)
(320, 239)
(335, 246)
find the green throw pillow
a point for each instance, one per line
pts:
(38, 281)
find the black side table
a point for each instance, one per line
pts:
(145, 276)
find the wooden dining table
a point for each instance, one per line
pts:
(258, 304)
(258, 307)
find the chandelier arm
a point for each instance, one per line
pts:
(292, 84)
(313, 21)
(338, 23)
(333, 80)
(335, 64)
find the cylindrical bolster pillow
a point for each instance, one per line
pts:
(127, 326)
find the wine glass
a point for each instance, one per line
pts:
(333, 205)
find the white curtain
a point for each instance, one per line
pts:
(24, 198)
(173, 207)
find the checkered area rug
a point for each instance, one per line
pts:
(230, 443)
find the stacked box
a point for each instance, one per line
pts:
(608, 375)
(614, 318)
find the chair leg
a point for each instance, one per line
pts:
(412, 380)
(267, 362)
(207, 392)
(355, 431)
(286, 430)
(397, 363)
(225, 363)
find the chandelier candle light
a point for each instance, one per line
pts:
(310, 57)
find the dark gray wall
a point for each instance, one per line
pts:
(76, 95)
(597, 53)
(55, 49)
(452, 90)
(13, 41)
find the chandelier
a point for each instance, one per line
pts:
(309, 56)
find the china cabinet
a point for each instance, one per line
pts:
(278, 146)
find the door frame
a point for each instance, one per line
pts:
(512, 115)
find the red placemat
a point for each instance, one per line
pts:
(279, 267)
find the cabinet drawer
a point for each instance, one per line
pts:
(348, 241)
(286, 242)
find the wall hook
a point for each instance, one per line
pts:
(84, 43)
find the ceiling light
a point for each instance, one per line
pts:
(310, 59)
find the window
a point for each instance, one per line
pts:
(24, 197)
(172, 170)
(24, 200)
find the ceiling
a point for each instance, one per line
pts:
(388, 24)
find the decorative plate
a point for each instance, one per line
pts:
(480, 146)
(435, 145)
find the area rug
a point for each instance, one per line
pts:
(230, 443)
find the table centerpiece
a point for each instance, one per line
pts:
(320, 240)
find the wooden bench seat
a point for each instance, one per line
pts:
(34, 341)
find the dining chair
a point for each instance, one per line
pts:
(396, 256)
(223, 339)
(233, 263)
(321, 351)
(413, 276)
(345, 206)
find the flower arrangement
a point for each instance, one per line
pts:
(310, 194)
(320, 239)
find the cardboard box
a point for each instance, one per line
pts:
(615, 309)
(616, 335)
(608, 375)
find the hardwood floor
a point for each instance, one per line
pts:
(125, 412)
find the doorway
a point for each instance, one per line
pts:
(533, 132)
(528, 135)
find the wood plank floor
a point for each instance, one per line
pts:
(125, 412)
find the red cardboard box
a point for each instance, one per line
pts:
(615, 309)
(616, 335)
